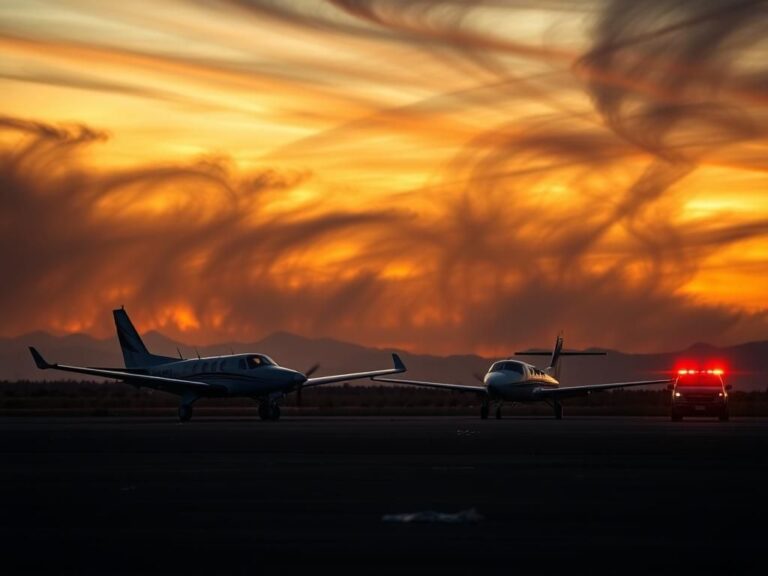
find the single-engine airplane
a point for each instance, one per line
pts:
(254, 376)
(517, 381)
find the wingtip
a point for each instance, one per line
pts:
(39, 360)
(399, 365)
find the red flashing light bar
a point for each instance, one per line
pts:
(716, 371)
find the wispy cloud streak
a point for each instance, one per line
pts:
(506, 185)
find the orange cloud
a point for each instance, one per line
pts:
(392, 177)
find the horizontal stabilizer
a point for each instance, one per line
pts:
(557, 352)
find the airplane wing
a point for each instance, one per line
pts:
(399, 367)
(557, 393)
(456, 387)
(174, 385)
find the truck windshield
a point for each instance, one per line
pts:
(700, 380)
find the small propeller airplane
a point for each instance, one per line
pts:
(517, 381)
(254, 376)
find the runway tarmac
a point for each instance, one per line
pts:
(239, 496)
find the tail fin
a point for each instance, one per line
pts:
(557, 352)
(135, 353)
(554, 360)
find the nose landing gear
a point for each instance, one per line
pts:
(485, 410)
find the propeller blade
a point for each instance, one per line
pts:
(308, 373)
(311, 370)
(478, 377)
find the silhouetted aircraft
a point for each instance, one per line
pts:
(516, 381)
(254, 376)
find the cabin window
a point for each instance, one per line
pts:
(242, 364)
(254, 362)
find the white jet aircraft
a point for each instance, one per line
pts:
(516, 381)
(254, 376)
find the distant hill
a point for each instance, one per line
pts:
(747, 364)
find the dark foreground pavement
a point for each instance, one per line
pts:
(599, 495)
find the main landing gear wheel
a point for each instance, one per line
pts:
(185, 412)
(498, 412)
(269, 411)
(558, 411)
(484, 409)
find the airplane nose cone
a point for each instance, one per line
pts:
(299, 378)
(490, 379)
(493, 382)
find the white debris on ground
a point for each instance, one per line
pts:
(470, 516)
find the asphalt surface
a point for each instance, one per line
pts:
(526, 495)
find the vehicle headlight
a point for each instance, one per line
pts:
(678, 395)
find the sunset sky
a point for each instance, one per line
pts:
(439, 176)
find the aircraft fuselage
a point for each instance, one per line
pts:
(254, 375)
(515, 381)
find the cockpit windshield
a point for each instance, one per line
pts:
(508, 367)
(258, 360)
